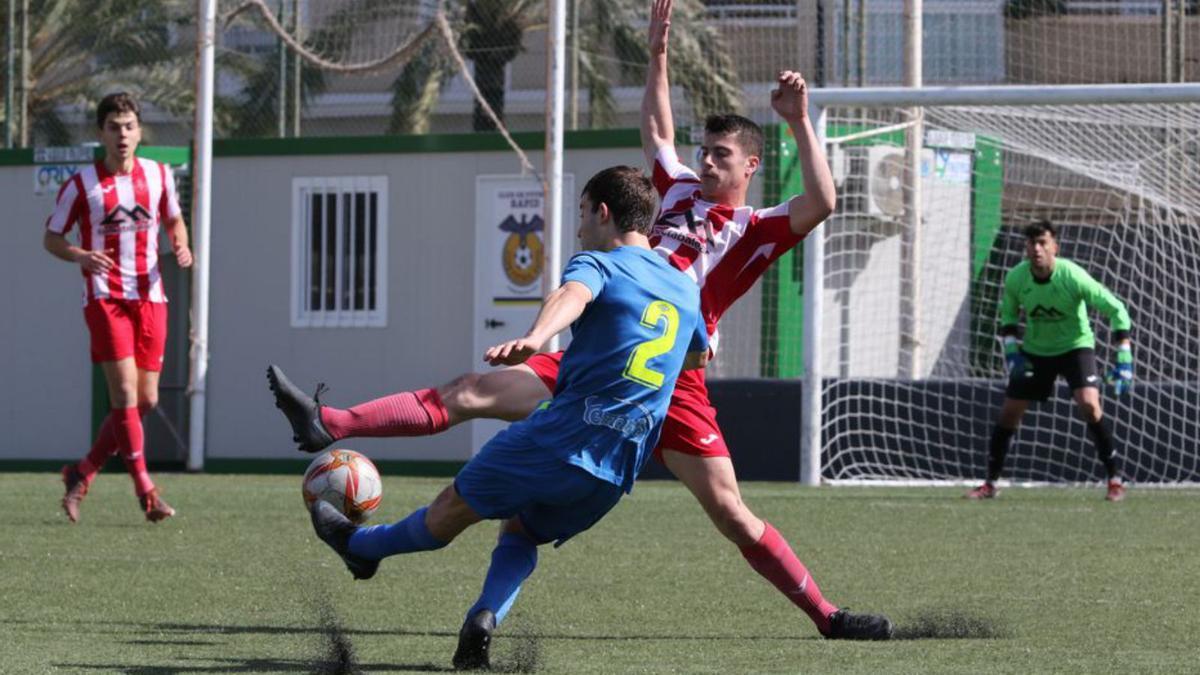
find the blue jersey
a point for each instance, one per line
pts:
(626, 351)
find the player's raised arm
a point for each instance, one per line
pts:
(658, 127)
(562, 307)
(806, 211)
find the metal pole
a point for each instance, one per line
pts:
(814, 300)
(556, 57)
(1181, 41)
(574, 65)
(282, 93)
(201, 222)
(1168, 58)
(22, 95)
(296, 70)
(12, 70)
(844, 45)
(910, 301)
(862, 43)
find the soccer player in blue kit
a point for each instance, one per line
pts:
(636, 323)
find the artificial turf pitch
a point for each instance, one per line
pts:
(1039, 580)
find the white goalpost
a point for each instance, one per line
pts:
(902, 370)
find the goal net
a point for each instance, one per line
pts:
(913, 374)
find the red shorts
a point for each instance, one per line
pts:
(691, 423)
(123, 328)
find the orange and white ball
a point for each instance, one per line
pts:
(346, 479)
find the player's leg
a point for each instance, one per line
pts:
(429, 527)
(77, 478)
(1007, 423)
(692, 447)
(1035, 383)
(149, 321)
(122, 379)
(361, 548)
(493, 485)
(513, 559)
(149, 496)
(508, 394)
(110, 339)
(566, 501)
(712, 481)
(1079, 369)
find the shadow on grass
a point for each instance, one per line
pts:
(175, 643)
(950, 625)
(194, 629)
(256, 666)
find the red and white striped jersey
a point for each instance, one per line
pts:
(722, 248)
(120, 214)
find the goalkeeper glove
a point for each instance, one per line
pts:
(1120, 377)
(1014, 359)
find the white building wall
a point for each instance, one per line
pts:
(429, 334)
(45, 371)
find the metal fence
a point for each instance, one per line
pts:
(60, 56)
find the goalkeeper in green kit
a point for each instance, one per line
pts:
(1055, 295)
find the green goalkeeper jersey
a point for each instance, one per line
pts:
(1056, 319)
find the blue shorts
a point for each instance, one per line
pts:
(513, 476)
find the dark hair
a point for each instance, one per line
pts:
(119, 102)
(746, 133)
(629, 195)
(1037, 229)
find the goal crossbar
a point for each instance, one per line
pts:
(1068, 94)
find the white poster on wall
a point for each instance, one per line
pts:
(510, 259)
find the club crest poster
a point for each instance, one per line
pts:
(512, 221)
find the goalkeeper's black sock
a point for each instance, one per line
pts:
(1103, 440)
(997, 449)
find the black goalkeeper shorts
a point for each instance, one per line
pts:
(1077, 367)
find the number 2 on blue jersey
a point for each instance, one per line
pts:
(636, 369)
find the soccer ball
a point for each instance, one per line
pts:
(346, 479)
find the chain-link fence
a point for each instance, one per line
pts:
(60, 56)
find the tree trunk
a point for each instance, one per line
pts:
(489, 75)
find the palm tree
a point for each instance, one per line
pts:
(612, 48)
(254, 111)
(81, 50)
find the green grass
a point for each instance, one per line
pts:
(1048, 580)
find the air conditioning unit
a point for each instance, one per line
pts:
(870, 179)
(885, 181)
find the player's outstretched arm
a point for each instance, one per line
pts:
(658, 127)
(562, 307)
(790, 101)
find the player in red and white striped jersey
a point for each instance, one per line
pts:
(706, 230)
(118, 205)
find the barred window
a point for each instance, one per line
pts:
(339, 251)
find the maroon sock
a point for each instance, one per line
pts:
(772, 557)
(127, 429)
(408, 413)
(104, 447)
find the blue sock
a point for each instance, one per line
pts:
(513, 561)
(406, 536)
